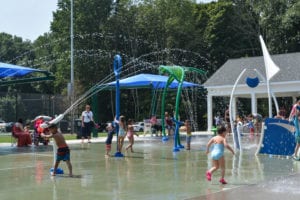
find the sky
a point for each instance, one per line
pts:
(29, 19)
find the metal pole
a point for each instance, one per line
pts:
(117, 71)
(72, 47)
(72, 66)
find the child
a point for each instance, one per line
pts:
(63, 151)
(239, 126)
(121, 133)
(250, 124)
(188, 129)
(217, 153)
(130, 135)
(110, 133)
(297, 131)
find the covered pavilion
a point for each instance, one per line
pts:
(284, 84)
(14, 74)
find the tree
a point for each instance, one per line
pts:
(279, 22)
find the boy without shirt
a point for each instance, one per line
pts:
(63, 151)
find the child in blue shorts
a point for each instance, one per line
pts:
(63, 151)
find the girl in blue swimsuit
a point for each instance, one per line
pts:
(122, 132)
(217, 154)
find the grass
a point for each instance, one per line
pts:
(6, 137)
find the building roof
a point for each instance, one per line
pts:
(289, 65)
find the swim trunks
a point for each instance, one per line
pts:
(109, 138)
(63, 153)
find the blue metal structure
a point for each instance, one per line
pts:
(278, 138)
(117, 71)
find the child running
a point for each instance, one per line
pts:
(217, 153)
(63, 151)
(130, 135)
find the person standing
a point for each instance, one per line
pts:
(130, 135)
(297, 132)
(110, 134)
(87, 123)
(63, 151)
(122, 132)
(188, 129)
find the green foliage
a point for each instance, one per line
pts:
(279, 23)
(147, 34)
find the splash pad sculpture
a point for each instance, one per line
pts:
(277, 137)
(271, 70)
(277, 134)
(117, 71)
(175, 73)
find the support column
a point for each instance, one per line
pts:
(294, 99)
(253, 103)
(233, 108)
(95, 114)
(209, 112)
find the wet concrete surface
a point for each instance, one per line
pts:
(153, 171)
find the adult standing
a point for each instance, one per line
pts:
(87, 123)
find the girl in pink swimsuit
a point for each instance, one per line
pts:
(130, 134)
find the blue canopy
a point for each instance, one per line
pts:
(9, 70)
(148, 81)
(15, 71)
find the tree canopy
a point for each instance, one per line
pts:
(148, 33)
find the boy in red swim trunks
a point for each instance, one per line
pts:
(63, 151)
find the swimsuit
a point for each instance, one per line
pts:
(218, 151)
(297, 132)
(130, 134)
(63, 153)
(121, 132)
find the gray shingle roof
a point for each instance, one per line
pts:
(289, 65)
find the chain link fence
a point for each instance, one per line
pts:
(27, 106)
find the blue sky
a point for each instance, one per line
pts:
(29, 18)
(26, 18)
